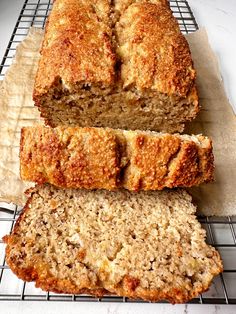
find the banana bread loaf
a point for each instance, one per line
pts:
(122, 64)
(93, 158)
(146, 245)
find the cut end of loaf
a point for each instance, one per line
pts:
(138, 73)
(118, 109)
(146, 246)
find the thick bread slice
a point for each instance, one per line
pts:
(146, 245)
(122, 64)
(74, 157)
(70, 157)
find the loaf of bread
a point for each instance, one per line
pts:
(97, 158)
(122, 64)
(146, 245)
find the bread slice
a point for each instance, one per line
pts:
(146, 245)
(122, 64)
(95, 158)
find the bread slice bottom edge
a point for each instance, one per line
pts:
(146, 245)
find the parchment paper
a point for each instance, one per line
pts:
(17, 110)
(215, 120)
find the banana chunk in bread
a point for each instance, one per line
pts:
(146, 245)
(122, 64)
(97, 158)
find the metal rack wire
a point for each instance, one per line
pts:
(220, 231)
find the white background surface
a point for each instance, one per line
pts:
(219, 19)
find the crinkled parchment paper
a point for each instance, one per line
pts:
(215, 120)
(17, 110)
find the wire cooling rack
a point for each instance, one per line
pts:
(220, 231)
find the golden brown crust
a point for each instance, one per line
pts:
(190, 164)
(70, 157)
(77, 46)
(95, 51)
(174, 296)
(167, 161)
(154, 53)
(73, 157)
(149, 158)
(127, 288)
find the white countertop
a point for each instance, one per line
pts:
(219, 19)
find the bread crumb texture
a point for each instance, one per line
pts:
(148, 245)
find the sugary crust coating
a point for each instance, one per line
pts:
(112, 47)
(38, 267)
(167, 161)
(155, 55)
(92, 158)
(70, 157)
(77, 46)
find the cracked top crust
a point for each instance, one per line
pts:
(85, 39)
(80, 157)
(77, 45)
(93, 158)
(154, 53)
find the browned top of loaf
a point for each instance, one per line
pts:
(77, 45)
(167, 160)
(154, 53)
(82, 157)
(75, 157)
(85, 39)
